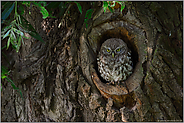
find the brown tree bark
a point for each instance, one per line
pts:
(59, 79)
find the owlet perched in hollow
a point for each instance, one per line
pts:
(114, 61)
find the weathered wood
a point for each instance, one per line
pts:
(59, 79)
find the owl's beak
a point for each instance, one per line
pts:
(113, 54)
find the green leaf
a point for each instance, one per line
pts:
(79, 7)
(37, 36)
(105, 5)
(21, 8)
(114, 3)
(6, 34)
(12, 35)
(86, 25)
(21, 28)
(29, 27)
(122, 3)
(6, 5)
(52, 16)
(89, 13)
(88, 16)
(8, 43)
(13, 47)
(43, 2)
(4, 71)
(13, 40)
(26, 24)
(110, 9)
(122, 7)
(26, 37)
(6, 28)
(3, 76)
(44, 12)
(105, 9)
(22, 41)
(14, 86)
(3, 3)
(18, 31)
(27, 3)
(7, 12)
(19, 20)
(19, 41)
(20, 92)
(3, 47)
(12, 83)
(85, 20)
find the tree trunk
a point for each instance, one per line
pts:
(60, 81)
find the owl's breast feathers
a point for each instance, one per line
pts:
(115, 70)
(114, 65)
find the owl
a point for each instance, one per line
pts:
(114, 61)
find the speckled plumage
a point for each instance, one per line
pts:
(114, 61)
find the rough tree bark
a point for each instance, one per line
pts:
(59, 79)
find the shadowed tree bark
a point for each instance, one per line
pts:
(60, 81)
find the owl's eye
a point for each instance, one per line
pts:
(118, 50)
(108, 50)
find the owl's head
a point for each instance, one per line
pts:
(114, 47)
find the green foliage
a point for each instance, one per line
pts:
(79, 7)
(40, 5)
(106, 4)
(42, 9)
(122, 3)
(8, 9)
(15, 25)
(111, 4)
(14, 29)
(14, 86)
(88, 16)
(4, 72)
(43, 3)
(31, 30)
(4, 75)
(11, 30)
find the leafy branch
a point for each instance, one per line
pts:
(15, 27)
(106, 4)
(111, 4)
